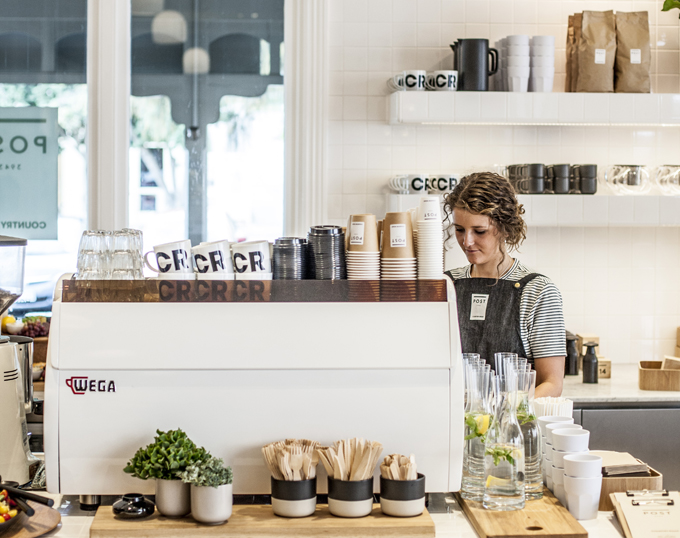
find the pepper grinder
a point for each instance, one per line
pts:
(590, 363)
(571, 364)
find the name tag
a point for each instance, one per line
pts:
(478, 309)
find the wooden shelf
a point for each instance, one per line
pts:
(507, 108)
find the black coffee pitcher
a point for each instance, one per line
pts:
(471, 60)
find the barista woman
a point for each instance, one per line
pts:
(502, 305)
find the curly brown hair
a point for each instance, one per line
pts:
(487, 193)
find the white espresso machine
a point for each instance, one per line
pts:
(237, 366)
(15, 401)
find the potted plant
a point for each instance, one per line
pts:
(211, 490)
(171, 453)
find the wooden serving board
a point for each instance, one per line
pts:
(258, 521)
(544, 517)
(43, 521)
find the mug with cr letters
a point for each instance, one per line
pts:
(213, 261)
(442, 81)
(413, 80)
(252, 257)
(173, 260)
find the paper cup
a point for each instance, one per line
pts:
(363, 234)
(397, 239)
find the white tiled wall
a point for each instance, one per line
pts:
(617, 282)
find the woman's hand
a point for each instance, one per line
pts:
(549, 376)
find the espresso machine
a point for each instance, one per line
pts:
(15, 397)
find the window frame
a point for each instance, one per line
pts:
(108, 134)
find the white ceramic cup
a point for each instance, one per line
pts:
(551, 427)
(518, 50)
(543, 40)
(251, 257)
(544, 420)
(399, 184)
(518, 79)
(442, 81)
(542, 61)
(173, 260)
(517, 40)
(583, 465)
(538, 50)
(570, 440)
(212, 260)
(253, 276)
(559, 455)
(412, 80)
(583, 496)
(518, 61)
(546, 71)
(558, 485)
(541, 84)
(417, 182)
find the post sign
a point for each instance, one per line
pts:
(28, 172)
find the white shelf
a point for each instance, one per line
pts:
(572, 210)
(506, 108)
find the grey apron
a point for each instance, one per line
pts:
(495, 325)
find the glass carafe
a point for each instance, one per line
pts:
(504, 456)
(526, 416)
(477, 423)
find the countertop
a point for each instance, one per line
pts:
(449, 519)
(621, 387)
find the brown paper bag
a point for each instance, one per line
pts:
(570, 53)
(578, 19)
(633, 57)
(597, 52)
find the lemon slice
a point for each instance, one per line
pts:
(482, 424)
(5, 321)
(492, 481)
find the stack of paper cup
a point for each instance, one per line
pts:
(518, 63)
(363, 248)
(542, 63)
(430, 243)
(583, 484)
(398, 260)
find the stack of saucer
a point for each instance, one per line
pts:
(363, 249)
(398, 261)
(326, 245)
(430, 246)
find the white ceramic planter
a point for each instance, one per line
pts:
(173, 498)
(294, 498)
(211, 506)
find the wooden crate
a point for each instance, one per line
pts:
(612, 484)
(670, 363)
(652, 377)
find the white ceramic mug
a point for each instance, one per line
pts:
(251, 257)
(412, 80)
(442, 81)
(173, 260)
(213, 260)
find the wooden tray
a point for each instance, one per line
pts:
(256, 521)
(615, 484)
(544, 517)
(43, 521)
(652, 377)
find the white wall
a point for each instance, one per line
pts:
(619, 283)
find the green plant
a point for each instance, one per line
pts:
(170, 453)
(500, 453)
(671, 4)
(209, 472)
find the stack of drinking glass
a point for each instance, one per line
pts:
(105, 255)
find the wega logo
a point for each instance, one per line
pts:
(83, 384)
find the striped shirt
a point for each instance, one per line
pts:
(540, 312)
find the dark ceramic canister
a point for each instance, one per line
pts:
(475, 62)
(536, 178)
(559, 174)
(402, 498)
(590, 363)
(293, 498)
(587, 178)
(350, 498)
(571, 362)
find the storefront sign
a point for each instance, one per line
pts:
(28, 172)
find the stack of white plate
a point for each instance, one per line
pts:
(430, 246)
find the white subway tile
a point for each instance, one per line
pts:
(334, 206)
(335, 130)
(429, 11)
(669, 211)
(404, 135)
(441, 106)
(467, 106)
(379, 10)
(355, 58)
(335, 11)
(354, 133)
(354, 182)
(548, 13)
(477, 11)
(355, 157)
(501, 12)
(404, 10)
(355, 11)
(404, 158)
(494, 107)
(520, 107)
(546, 107)
(353, 204)
(427, 157)
(525, 136)
(647, 108)
(380, 157)
(453, 11)
(380, 35)
(336, 57)
(404, 34)
(571, 107)
(596, 210)
(646, 210)
(355, 83)
(404, 58)
(569, 210)
(428, 35)
(668, 62)
(334, 181)
(335, 34)
(670, 108)
(335, 157)
(335, 108)
(335, 83)
(379, 59)
(549, 136)
(477, 30)
(429, 58)
(526, 12)
(355, 34)
(621, 209)
(573, 136)
(376, 204)
(544, 210)
(428, 135)
(621, 108)
(596, 107)
(378, 133)
(377, 108)
(414, 106)
(354, 108)
(377, 82)
(376, 181)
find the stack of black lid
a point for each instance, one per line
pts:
(290, 258)
(327, 253)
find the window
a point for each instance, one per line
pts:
(42, 64)
(206, 156)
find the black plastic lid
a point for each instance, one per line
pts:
(6, 241)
